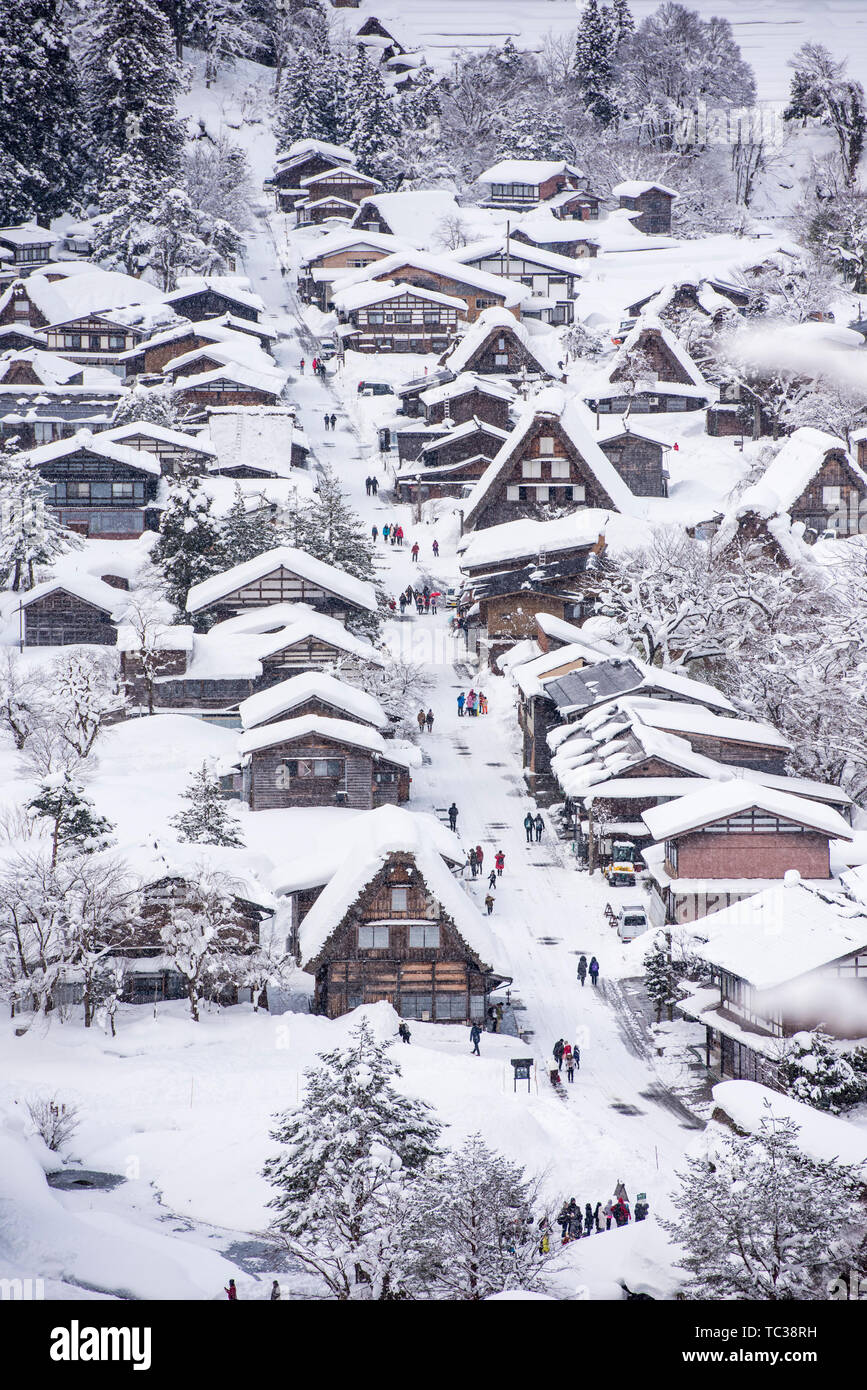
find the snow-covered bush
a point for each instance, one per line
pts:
(54, 1120)
(820, 1076)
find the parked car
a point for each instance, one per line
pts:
(327, 347)
(375, 388)
(632, 921)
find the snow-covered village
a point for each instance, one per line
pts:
(433, 549)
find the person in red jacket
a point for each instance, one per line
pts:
(414, 551)
(480, 854)
(399, 534)
(231, 1292)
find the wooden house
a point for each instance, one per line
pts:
(732, 839)
(230, 385)
(341, 188)
(263, 443)
(497, 345)
(551, 277)
(337, 255)
(444, 275)
(390, 317)
(814, 480)
(448, 463)
(209, 298)
(651, 372)
(550, 464)
(60, 613)
(394, 924)
(522, 183)
(416, 216)
(28, 245)
(315, 693)
(640, 460)
(150, 357)
(98, 486)
(305, 159)
(652, 201)
(574, 205)
(173, 450)
(310, 760)
(95, 340)
(790, 959)
(558, 235)
(741, 410)
(283, 575)
(468, 397)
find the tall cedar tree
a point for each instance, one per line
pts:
(327, 528)
(188, 549)
(244, 534)
(372, 124)
(350, 1156)
(132, 83)
(42, 135)
(206, 821)
(595, 50)
(758, 1219)
(660, 980)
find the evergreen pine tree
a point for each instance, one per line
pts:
(305, 108)
(817, 1075)
(760, 1220)
(206, 821)
(188, 548)
(132, 83)
(480, 1232)
(74, 823)
(371, 124)
(659, 978)
(351, 1155)
(327, 528)
(595, 45)
(43, 143)
(153, 404)
(245, 534)
(30, 532)
(622, 22)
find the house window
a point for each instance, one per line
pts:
(831, 496)
(43, 432)
(513, 493)
(116, 342)
(399, 899)
(543, 493)
(418, 1006)
(94, 342)
(546, 444)
(311, 767)
(501, 359)
(100, 492)
(372, 938)
(451, 1006)
(559, 468)
(375, 316)
(484, 303)
(532, 468)
(403, 316)
(121, 490)
(22, 308)
(72, 340)
(425, 935)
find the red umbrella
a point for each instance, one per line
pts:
(436, 593)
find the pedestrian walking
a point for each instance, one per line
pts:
(231, 1292)
(499, 862)
(608, 1212)
(480, 855)
(492, 879)
(392, 606)
(374, 531)
(400, 535)
(461, 701)
(576, 1225)
(436, 548)
(314, 364)
(276, 1292)
(367, 479)
(427, 603)
(385, 531)
(475, 1038)
(641, 1209)
(414, 552)
(433, 602)
(570, 1067)
(471, 860)
(453, 817)
(620, 1211)
(582, 970)
(544, 1236)
(588, 1219)
(374, 482)
(489, 904)
(419, 604)
(420, 719)
(429, 720)
(402, 602)
(333, 419)
(563, 1218)
(471, 701)
(558, 1049)
(528, 826)
(576, 1057)
(594, 971)
(302, 366)
(540, 826)
(599, 1217)
(404, 1032)
(483, 703)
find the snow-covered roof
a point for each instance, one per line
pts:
(391, 830)
(415, 216)
(824, 1137)
(95, 292)
(633, 188)
(791, 471)
(731, 798)
(554, 402)
(237, 288)
(324, 629)
(83, 586)
(300, 148)
(52, 370)
(467, 427)
(496, 245)
(317, 572)
(347, 168)
(488, 322)
(335, 730)
(356, 296)
(465, 383)
(611, 234)
(312, 685)
(531, 171)
(680, 717)
(442, 265)
(648, 323)
(238, 350)
(235, 374)
(27, 234)
(94, 444)
(260, 437)
(224, 329)
(527, 538)
(334, 243)
(167, 637)
(146, 429)
(781, 933)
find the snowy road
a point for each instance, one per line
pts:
(618, 1119)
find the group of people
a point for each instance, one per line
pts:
(592, 970)
(425, 600)
(533, 825)
(425, 720)
(330, 420)
(574, 1224)
(416, 548)
(371, 487)
(472, 704)
(318, 368)
(391, 531)
(567, 1058)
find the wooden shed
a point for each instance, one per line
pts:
(316, 761)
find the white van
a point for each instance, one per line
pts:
(632, 920)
